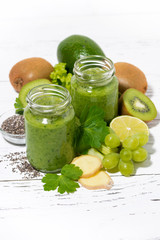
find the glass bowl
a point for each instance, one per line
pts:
(17, 139)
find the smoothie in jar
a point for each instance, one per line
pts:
(94, 83)
(50, 128)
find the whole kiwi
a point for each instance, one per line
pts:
(29, 69)
(130, 76)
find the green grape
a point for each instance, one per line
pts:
(125, 155)
(143, 138)
(105, 150)
(110, 160)
(140, 154)
(113, 170)
(131, 142)
(112, 140)
(126, 168)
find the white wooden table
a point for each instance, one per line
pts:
(127, 31)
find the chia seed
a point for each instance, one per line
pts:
(14, 125)
(19, 163)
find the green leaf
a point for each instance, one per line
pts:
(71, 171)
(18, 106)
(64, 182)
(67, 185)
(51, 181)
(94, 133)
(84, 114)
(95, 113)
(60, 76)
(18, 103)
(93, 129)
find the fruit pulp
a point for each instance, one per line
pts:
(135, 103)
(125, 126)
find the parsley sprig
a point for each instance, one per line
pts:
(18, 106)
(64, 182)
(93, 129)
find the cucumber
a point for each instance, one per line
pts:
(94, 152)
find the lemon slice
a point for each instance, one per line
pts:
(125, 126)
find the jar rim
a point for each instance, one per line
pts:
(91, 61)
(49, 90)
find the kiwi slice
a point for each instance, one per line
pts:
(135, 103)
(27, 87)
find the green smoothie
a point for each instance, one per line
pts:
(104, 96)
(49, 136)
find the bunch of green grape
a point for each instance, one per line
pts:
(123, 155)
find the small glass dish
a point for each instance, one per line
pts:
(17, 139)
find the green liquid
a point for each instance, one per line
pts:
(105, 97)
(50, 140)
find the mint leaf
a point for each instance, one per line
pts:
(18, 106)
(93, 129)
(67, 185)
(51, 181)
(71, 171)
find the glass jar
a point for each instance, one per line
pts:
(94, 83)
(50, 127)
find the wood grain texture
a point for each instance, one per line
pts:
(132, 202)
(127, 31)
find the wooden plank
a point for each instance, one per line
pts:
(136, 194)
(133, 203)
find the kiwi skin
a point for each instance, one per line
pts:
(130, 76)
(28, 70)
(124, 109)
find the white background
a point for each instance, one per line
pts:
(127, 31)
